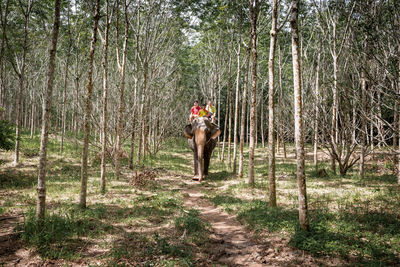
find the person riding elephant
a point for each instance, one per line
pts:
(201, 134)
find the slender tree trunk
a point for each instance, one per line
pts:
(76, 112)
(41, 187)
(88, 109)
(140, 105)
(65, 89)
(248, 122)
(33, 113)
(144, 111)
(121, 68)
(354, 118)
(363, 113)
(21, 76)
(2, 53)
(398, 116)
(316, 118)
(219, 115)
(395, 120)
(228, 121)
(371, 125)
(271, 107)
(230, 127)
(225, 129)
(280, 102)
(334, 138)
(298, 118)
(235, 133)
(253, 108)
(379, 122)
(230, 103)
(262, 117)
(103, 170)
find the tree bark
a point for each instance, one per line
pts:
(65, 88)
(88, 109)
(316, 116)
(21, 78)
(230, 105)
(334, 138)
(298, 118)
(41, 187)
(228, 121)
(253, 107)
(363, 113)
(225, 128)
(2, 53)
(271, 107)
(235, 136)
(103, 170)
(396, 9)
(280, 102)
(121, 68)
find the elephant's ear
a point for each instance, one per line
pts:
(215, 131)
(188, 131)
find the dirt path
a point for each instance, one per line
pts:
(232, 245)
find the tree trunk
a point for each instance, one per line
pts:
(88, 109)
(316, 116)
(271, 108)
(371, 125)
(219, 115)
(33, 113)
(121, 68)
(41, 187)
(21, 76)
(140, 106)
(235, 136)
(298, 118)
(334, 106)
(225, 129)
(2, 53)
(65, 88)
(262, 117)
(280, 102)
(363, 113)
(230, 103)
(398, 116)
(253, 108)
(144, 111)
(103, 170)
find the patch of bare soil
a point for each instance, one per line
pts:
(11, 247)
(232, 245)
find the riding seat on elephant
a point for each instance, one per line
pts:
(202, 134)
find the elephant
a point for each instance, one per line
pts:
(202, 134)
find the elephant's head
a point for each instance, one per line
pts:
(202, 130)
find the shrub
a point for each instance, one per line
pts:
(7, 135)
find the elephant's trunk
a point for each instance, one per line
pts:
(200, 156)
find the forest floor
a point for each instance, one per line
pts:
(156, 215)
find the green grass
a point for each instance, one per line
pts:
(59, 235)
(356, 220)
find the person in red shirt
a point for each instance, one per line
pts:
(194, 111)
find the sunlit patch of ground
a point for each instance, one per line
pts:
(352, 220)
(343, 210)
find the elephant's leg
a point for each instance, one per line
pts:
(195, 163)
(200, 157)
(207, 156)
(195, 160)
